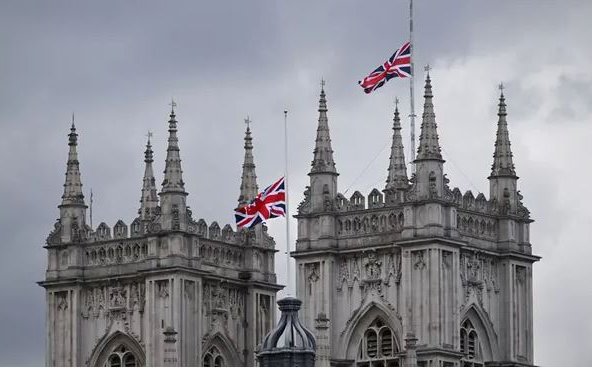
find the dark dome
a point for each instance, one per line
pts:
(289, 333)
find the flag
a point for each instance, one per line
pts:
(398, 65)
(270, 203)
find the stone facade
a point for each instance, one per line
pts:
(418, 273)
(168, 290)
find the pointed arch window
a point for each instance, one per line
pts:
(213, 358)
(378, 346)
(122, 357)
(470, 345)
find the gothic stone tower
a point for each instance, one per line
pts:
(171, 291)
(418, 273)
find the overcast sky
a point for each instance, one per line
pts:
(117, 65)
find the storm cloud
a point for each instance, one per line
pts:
(117, 65)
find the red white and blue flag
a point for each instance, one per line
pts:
(398, 65)
(270, 203)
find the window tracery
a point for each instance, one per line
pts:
(122, 357)
(470, 345)
(213, 358)
(378, 347)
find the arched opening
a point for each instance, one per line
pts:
(213, 358)
(377, 348)
(219, 351)
(470, 345)
(122, 357)
(118, 350)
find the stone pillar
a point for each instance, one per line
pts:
(170, 349)
(323, 345)
(410, 354)
(290, 343)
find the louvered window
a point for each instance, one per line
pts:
(378, 347)
(469, 345)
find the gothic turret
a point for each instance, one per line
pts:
(248, 188)
(503, 177)
(73, 208)
(397, 171)
(323, 175)
(173, 196)
(429, 163)
(149, 200)
(429, 147)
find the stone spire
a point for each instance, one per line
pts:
(503, 165)
(72, 209)
(248, 188)
(323, 153)
(397, 171)
(173, 179)
(429, 147)
(173, 197)
(73, 186)
(429, 180)
(149, 200)
(503, 181)
(323, 175)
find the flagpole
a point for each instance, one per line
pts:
(288, 273)
(91, 204)
(411, 89)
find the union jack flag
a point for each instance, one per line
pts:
(270, 203)
(398, 65)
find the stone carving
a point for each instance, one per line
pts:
(312, 275)
(176, 220)
(108, 254)
(117, 297)
(54, 236)
(448, 194)
(163, 289)
(373, 223)
(327, 201)
(418, 259)
(478, 226)
(219, 298)
(343, 274)
(373, 267)
(304, 206)
(221, 301)
(520, 274)
(393, 268)
(75, 232)
(433, 190)
(355, 271)
(120, 297)
(478, 272)
(62, 301)
(447, 260)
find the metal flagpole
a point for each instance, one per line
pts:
(411, 89)
(91, 204)
(288, 273)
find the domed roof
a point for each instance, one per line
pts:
(289, 333)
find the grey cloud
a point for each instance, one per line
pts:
(117, 65)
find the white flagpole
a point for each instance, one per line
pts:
(288, 273)
(411, 89)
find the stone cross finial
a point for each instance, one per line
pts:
(248, 121)
(149, 135)
(396, 102)
(173, 104)
(501, 87)
(322, 84)
(427, 68)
